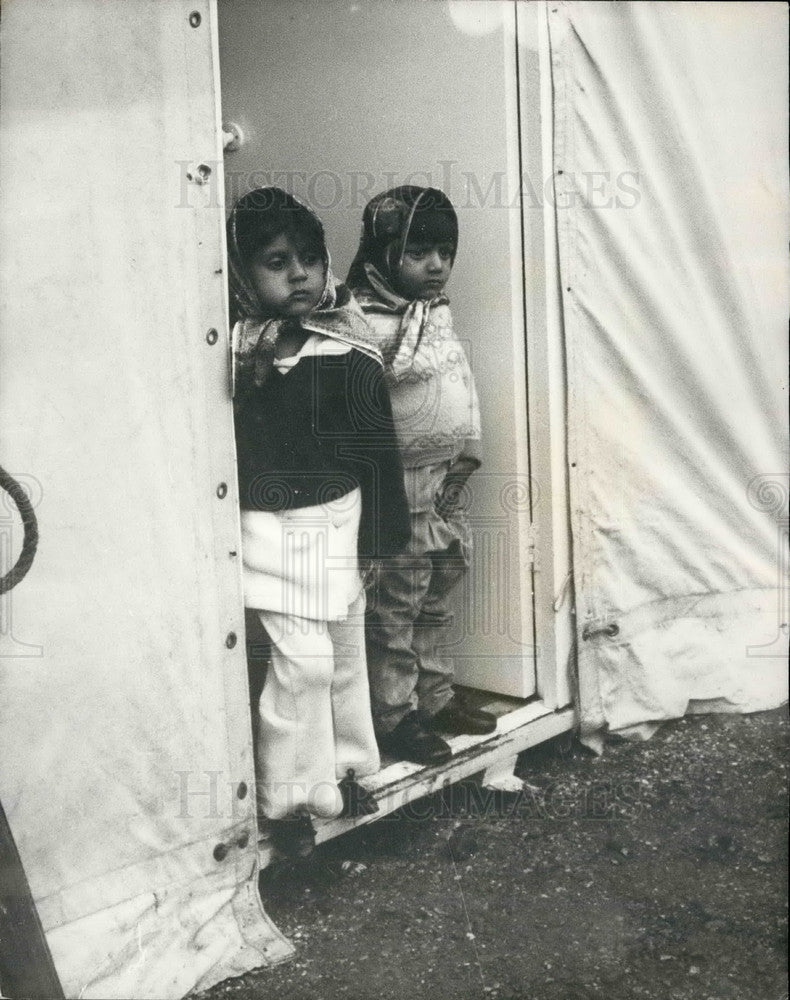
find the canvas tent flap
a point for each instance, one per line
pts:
(124, 719)
(670, 177)
(178, 939)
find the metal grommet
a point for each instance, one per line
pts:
(201, 175)
(242, 790)
(222, 490)
(195, 19)
(230, 640)
(220, 852)
(243, 840)
(212, 336)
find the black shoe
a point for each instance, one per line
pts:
(456, 718)
(410, 740)
(293, 836)
(357, 801)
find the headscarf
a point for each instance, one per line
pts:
(390, 221)
(256, 219)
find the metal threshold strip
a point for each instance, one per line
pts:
(400, 783)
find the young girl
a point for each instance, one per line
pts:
(316, 451)
(406, 254)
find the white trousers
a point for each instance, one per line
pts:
(314, 710)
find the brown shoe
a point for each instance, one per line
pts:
(457, 718)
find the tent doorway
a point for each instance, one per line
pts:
(447, 95)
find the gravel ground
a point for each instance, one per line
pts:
(658, 870)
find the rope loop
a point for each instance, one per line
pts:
(30, 541)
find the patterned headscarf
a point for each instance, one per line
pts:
(255, 220)
(391, 220)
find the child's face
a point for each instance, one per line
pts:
(289, 278)
(424, 270)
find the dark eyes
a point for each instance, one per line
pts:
(281, 262)
(417, 252)
(274, 263)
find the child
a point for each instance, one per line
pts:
(316, 448)
(406, 254)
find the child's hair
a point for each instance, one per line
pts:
(266, 213)
(394, 218)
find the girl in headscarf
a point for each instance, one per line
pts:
(316, 453)
(408, 246)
